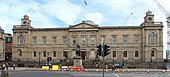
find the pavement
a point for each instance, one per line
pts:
(92, 70)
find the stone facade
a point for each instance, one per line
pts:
(2, 45)
(142, 43)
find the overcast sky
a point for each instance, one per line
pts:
(62, 13)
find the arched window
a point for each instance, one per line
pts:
(21, 39)
(153, 52)
(152, 38)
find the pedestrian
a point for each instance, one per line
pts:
(3, 66)
(7, 66)
(13, 66)
(113, 67)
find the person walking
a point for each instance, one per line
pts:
(13, 66)
(3, 66)
(7, 66)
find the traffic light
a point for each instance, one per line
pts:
(78, 50)
(106, 50)
(99, 50)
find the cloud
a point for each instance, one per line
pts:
(96, 17)
(63, 10)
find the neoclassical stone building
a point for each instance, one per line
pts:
(2, 45)
(143, 43)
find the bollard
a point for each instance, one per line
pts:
(4, 74)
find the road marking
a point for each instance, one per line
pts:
(115, 75)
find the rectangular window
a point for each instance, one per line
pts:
(53, 39)
(92, 40)
(103, 39)
(114, 53)
(54, 53)
(136, 39)
(114, 39)
(83, 39)
(21, 39)
(125, 39)
(34, 53)
(8, 39)
(34, 40)
(44, 54)
(74, 40)
(64, 39)
(44, 39)
(65, 54)
(136, 54)
(125, 53)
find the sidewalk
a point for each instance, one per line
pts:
(94, 70)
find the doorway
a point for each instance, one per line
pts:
(83, 55)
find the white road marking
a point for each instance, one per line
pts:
(116, 75)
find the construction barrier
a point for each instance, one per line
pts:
(76, 69)
(55, 67)
(45, 67)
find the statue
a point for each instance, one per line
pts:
(78, 50)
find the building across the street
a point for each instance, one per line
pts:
(130, 45)
(2, 45)
(8, 47)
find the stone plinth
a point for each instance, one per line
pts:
(77, 61)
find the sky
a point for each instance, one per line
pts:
(62, 13)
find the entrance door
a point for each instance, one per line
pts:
(83, 55)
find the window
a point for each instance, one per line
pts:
(152, 38)
(54, 54)
(114, 39)
(53, 39)
(114, 53)
(8, 39)
(44, 54)
(92, 39)
(21, 39)
(136, 54)
(136, 39)
(125, 53)
(83, 39)
(35, 40)
(103, 39)
(74, 40)
(64, 39)
(125, 39)
(65, 54)
(34, 53)
(44, 39)
(152, 53)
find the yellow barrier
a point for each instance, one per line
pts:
(45, 67)
(55, 67)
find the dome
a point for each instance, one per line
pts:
(26, 17)
(148, 12)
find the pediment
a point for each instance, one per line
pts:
(84, 25)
